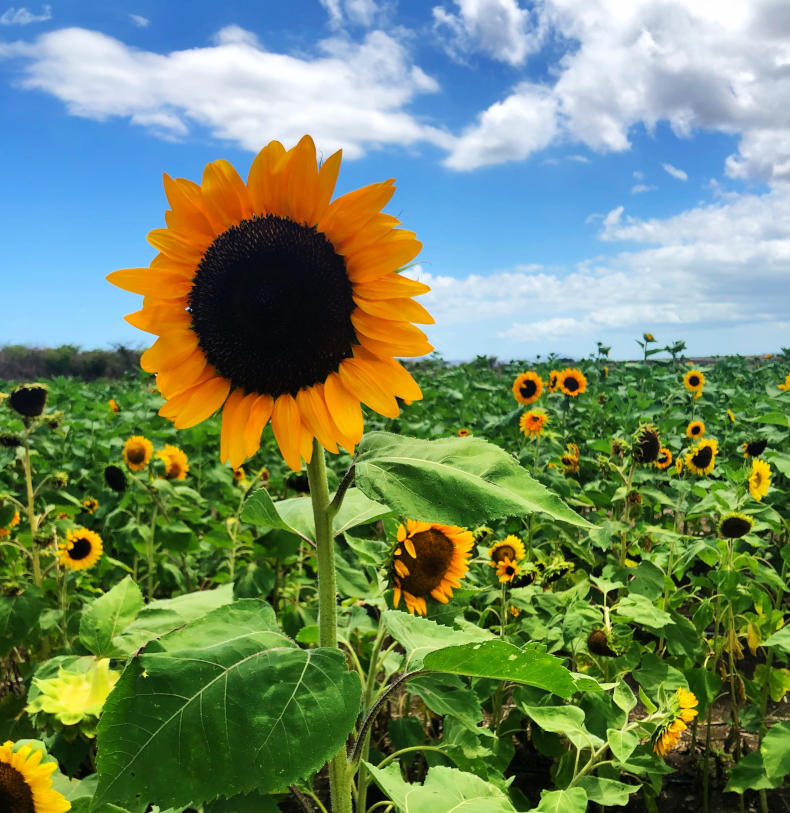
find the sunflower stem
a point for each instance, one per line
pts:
(31, 515)
(323, 514)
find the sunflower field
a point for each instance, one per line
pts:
(558, 586)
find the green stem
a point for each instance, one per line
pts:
(367, 700)
(31, 515)
(503, 616)
(149, 555)
(323, 514)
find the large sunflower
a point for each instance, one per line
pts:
(81, 550)
(26, 783)
(694, 381)
(527, 387)
(701, 459)
(430, 560)
(137, 452)
(759, 479)
(271, 300)
(572, 382)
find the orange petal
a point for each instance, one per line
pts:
(262, 183)
(174, 382)
(343, 407)
(260, 412)
(197, 403)
(160, 318)
(391, 286)
(377, 228)
(176, 247)
(350, 212)
(316, 417)
(382, 257)
(287, 426)
(237, 450)
(358, 380)
(385, 330)
(302, 183)
(228, 424)
(391, 349)
(169, 350)
(400, 309)
(150, 282)
(220, 197)
(327, 178)
(398, 380)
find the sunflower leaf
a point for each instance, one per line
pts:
(460, 481)
(107, 616)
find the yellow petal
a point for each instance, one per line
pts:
(172, 382)
(350, 212)
(378, 227)
(385, 330)
(316, 417)
(391, 349)
(237, 449)
(205, 400)
(169, 350)
(177, 378)
(287, 426)
(176, 247)
(260, 412)
(391, 286)
(160, 318)
(146, 281)
(228, 424)
(262, 185)
(383, 257)
(302, 183)
(327, 178)
(364, 386)
(398, 380)
(343, 407)
(404, 309)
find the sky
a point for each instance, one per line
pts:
(577, 170)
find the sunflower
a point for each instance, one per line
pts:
(90, 504)
(430, 559)
(696, 429)
(734, 525)
(511, 547)
(272, 301)
(786, 385)
(678, 465)
(26, 783)
(570, 460)
(29, 400)
(648, 337)
(239, 476)
(572, 382)
(754, 448)
(175, 460)
(759, 479)
(507, 571)
(554, 381)
(646, 445)
(137, 452)
(113, 405)
(694, 381)
(463, 432)
(532, 423)
(731, 415)
(527, 387)
(683, 711)
(81, 550)
(664, 459)
(12, 524)
(115, 478)
(701, 459)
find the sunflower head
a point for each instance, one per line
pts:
(81, 549)
(12, 523)
(702, 457)
(554, 381)
(463, 432)
(754, 448)
(26, 781)
(570, 459)
(511, 547)
(507, 571)
(532, 423)
(264, 476)
(274, 303)
(696, 429)
(90, 504)
(664, 459)
(28, 400)
(598, 644)
(175, 460)
(678, 465)
(115, 479)
(734, 525)
(646, 444)
(648, 337)
(60, 479)
(8, 441)
(137, 451)
(694, 381)
(786, 385)
(239, 476)
(429, 560)
(572, 382)
(759, 479)
(113, 405)
(527, 387)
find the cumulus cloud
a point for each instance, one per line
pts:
(356, 12)
(675, 172)
(139, 20)
(350, 95)
(21, 16)
(500, 29)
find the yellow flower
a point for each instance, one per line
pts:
(648, 337)
(137, 452)
(694, 381)
(272, 301)
(507, 571)
(515, 612)
(463, 432)
(532, 423)
(12, 524)
(696, 429)
(239, 476)
(572, 382)
(81, 550)
(90, 504)
(686, 701)
(113, 405)
(701, 459)
(554, 381)
(786, 385)
(731, 416)
(754, 448)
(664, 459)
(759, 479)
(429, 560)
(176, 465)
(527, 387)
(26, 782)
(683, 712)
(511, 547)
(678, 465)
(734, 525)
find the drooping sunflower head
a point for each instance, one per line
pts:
(695, 429)
(664, 459)
(272, 301)
(570, 459)
(511, 547)
(175, 460)
(507, 571)
(137, 451)
(115, 479)
(694, 381)
(701, 459)
(646, 444)
(527, 387)
(81, 549)
(759, 479)
(26, 781)
(754, 448)
(429, 560)
(532, 422)
(734, 525)
(572, 382)
(463, 432)
(90, 504)
(28, 400)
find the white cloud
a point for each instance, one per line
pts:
(21, 16)
(364, 13)
(500, 29)
(139, 20)
(351, 95)
(640, 188)
(675, 172)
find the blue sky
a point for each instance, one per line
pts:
(577, 170)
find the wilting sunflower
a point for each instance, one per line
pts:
(734, 525)
(175, 460)
(759, 479)
(696, 429)
(570, 460)
(532, 423)
(664, 459)
(81, 550)
(115, 479)
(694, 381)
(786, 385)
(683, 710)
(527, 387)
(271, 300)
(572, 382)
(701, 459)
(137, 452)
(29, 400)
(463, 432)
(26, 783)
(554, 381)
(90, 504)
(429, 560)
(14, 521)
(754, 448)
(511, 547)
(646, 444)
(507, 571)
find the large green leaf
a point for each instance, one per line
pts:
(19, 618)
(107, 616)
(462, 481)
(224, 705)
(780, 639)
(572, 800)
(565, 720)
(499, 660)
(445, 790)
(607, 791)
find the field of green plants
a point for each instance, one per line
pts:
(560, 587)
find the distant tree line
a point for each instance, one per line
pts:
(21, 363)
